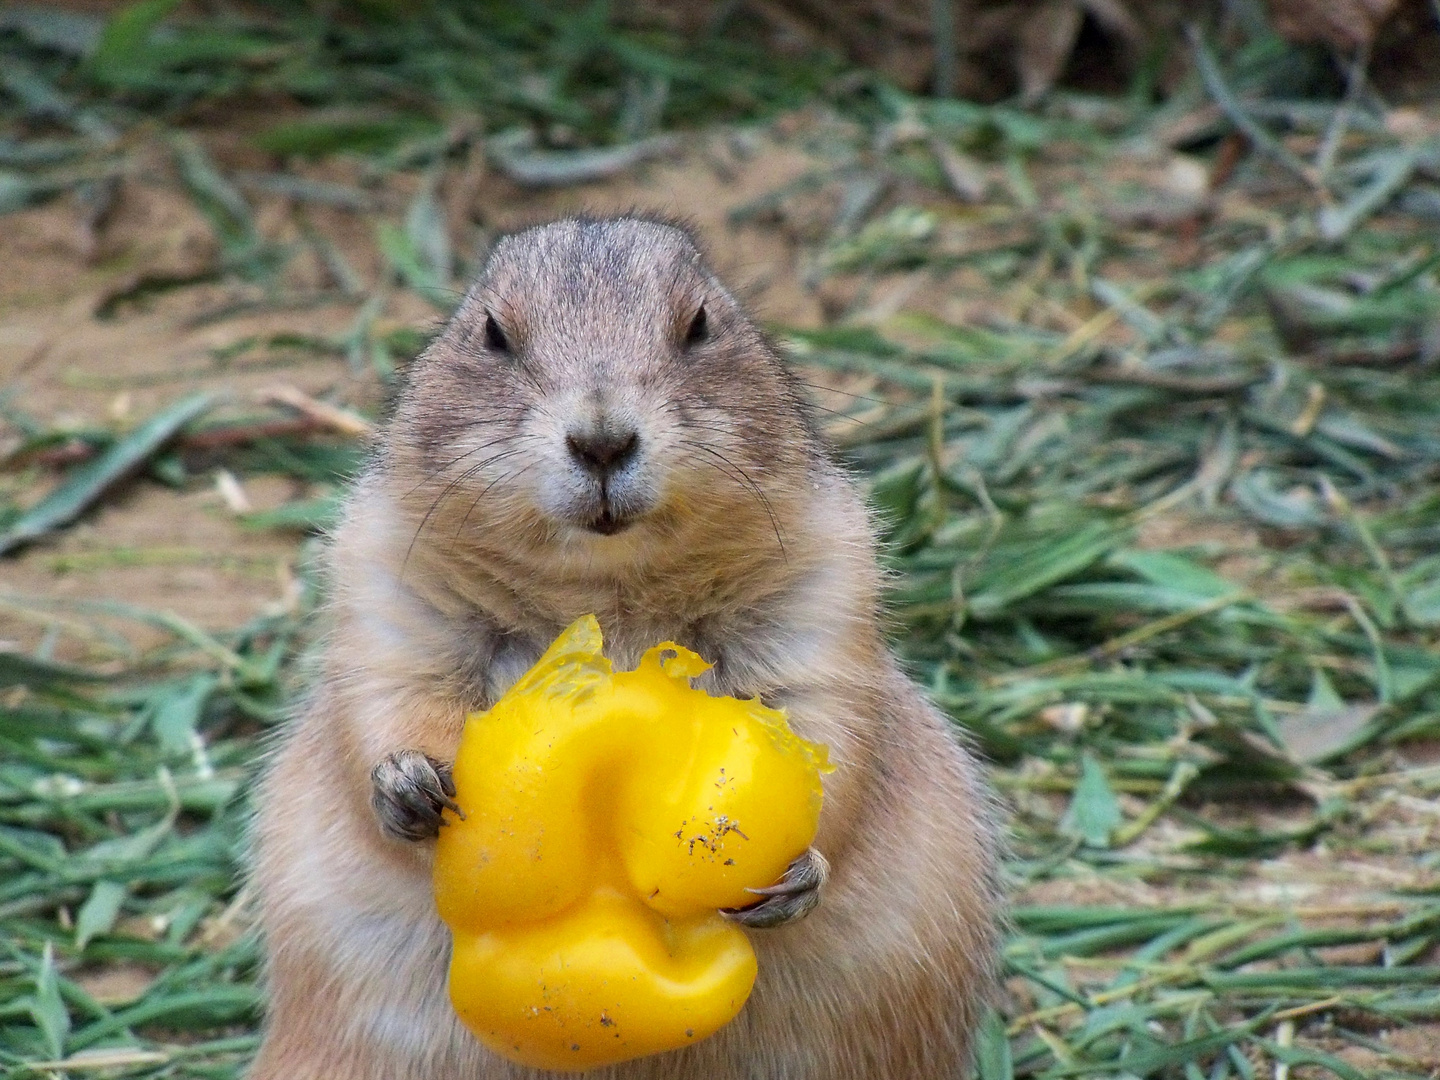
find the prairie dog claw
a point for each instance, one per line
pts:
(792, 897)
(409, 791)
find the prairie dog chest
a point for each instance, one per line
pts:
(748, 657)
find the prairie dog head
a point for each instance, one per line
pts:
(597, 393)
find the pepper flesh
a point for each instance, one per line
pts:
(607, 817)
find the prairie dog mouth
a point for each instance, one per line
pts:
(609, 523)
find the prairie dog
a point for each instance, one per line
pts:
(602, 428)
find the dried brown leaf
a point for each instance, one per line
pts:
(1116, 20)
(1345, 24)
(1047, 38)
(323, 413)
(1321, 731)
(964, 175)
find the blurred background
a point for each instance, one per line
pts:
(1126, 312)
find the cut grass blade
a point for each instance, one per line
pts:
(90, 481)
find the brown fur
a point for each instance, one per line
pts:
(456, 564)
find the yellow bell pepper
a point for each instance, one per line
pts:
(607, 817)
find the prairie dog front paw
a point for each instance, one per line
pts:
(408, 792)
(792, 897)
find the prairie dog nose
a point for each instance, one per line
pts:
(602, 452)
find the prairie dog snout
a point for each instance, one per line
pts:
(605, 475)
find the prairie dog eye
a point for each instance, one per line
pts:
(699, 328)
(495, 338)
